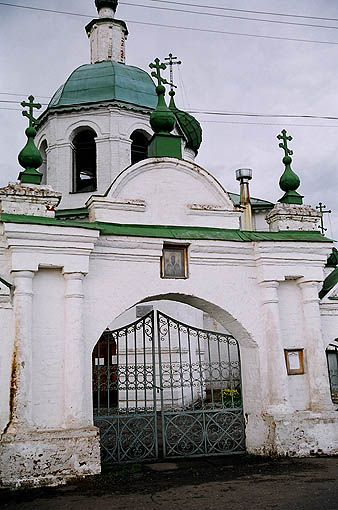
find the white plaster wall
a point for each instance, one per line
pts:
(6, 333)
(48, 349)
(179, 311)
(6, 354)
(235, 291)
(165, 191)
(125, 284)
(329, 315)
(293, 338)
(113, 126)
(211, 324)
(224, 281)
(259, 221)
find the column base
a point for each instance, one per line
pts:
(48, 458)
(300, 434)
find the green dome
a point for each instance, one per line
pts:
(106, 81)
(189, 125)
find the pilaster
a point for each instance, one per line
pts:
(21, 375)
(315, 351)
(74, 359)
(279, 393)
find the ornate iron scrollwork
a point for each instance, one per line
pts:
(179, 396)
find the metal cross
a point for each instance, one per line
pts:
(171, 62)
(158, 66)
(321, 208)
(31, 105)
(284, 146)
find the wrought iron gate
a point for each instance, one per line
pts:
(167, 390)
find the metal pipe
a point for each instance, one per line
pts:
(244, 175)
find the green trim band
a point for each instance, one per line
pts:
(64, 213)
(172, 232)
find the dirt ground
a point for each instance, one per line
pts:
(209, 483)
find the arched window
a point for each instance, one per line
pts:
(84, 162)
(43, 168)
(139, 146)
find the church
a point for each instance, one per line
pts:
(146, 312)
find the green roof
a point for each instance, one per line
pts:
(106, 81)
(256, 203)
(172, 231)
(330, 281)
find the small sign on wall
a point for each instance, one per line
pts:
(294, 359)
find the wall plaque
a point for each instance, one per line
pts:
(294, 359)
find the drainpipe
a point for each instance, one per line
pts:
(244, 175)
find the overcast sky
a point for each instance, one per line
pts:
(222, 72)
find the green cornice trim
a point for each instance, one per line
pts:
(88, 106)
(64, 213)
(172, 232)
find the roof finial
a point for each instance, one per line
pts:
(30, 158)
(289, 181)
(162, 120)
(171, 62)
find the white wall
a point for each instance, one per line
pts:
(259, 221)
(6, 356)
(48, 349)
(293, 338)
(113, 127)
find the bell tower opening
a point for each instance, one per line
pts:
(84, 162)
(139, 146)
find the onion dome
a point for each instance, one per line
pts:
(162, 120)
(289, 182)
(189, 126)
(105, 82)
(30, 158)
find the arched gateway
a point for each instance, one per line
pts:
(162, 388)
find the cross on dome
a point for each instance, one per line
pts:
(284, 146)
(31, 105)
(157, 75)
(30, 158)
(289, 182)
(171, 62)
